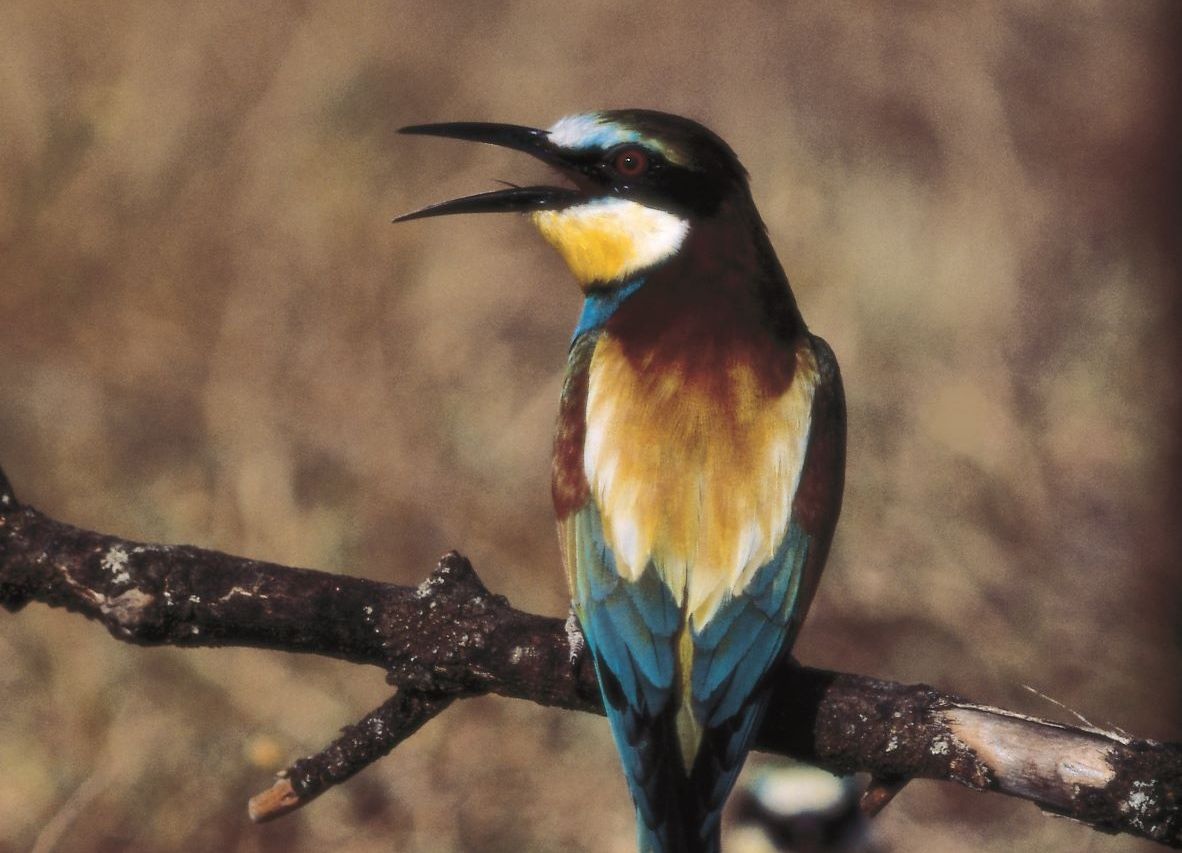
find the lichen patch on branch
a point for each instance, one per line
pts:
(126, 610)
(115, 562)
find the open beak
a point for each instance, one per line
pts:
(515, 199)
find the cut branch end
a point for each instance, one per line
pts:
(274, 802)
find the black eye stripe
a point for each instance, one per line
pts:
(682, 190)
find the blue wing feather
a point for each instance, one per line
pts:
(747, 634)
(629, 625)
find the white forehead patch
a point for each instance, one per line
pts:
(590, 130)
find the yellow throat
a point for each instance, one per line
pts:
(608, 239)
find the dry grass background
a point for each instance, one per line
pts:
(209, 333)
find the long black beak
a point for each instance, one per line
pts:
(515, 199)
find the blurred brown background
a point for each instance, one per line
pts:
(211, 334)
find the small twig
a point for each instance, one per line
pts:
(879, 793)
(1084, 721)
(392, 722)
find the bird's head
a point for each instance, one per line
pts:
(638, 183)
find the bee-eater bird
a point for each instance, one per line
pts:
(700, 449)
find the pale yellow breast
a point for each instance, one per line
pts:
(701, 484)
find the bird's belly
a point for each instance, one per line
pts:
(695, 474)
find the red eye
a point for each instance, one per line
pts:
(630, 162)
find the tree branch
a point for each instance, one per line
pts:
(451, 638)
(394, 721)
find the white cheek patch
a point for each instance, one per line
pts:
(608, 239)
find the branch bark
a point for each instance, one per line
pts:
(451, 638)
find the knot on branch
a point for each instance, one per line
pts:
(455, 617)
(454, 581)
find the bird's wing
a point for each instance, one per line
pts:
(630, 627)
(751, 631)
(817, 503)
